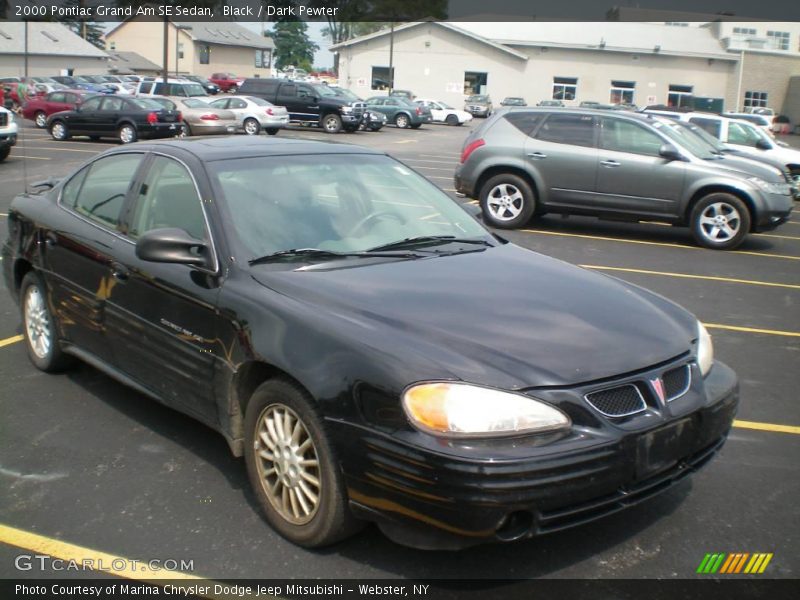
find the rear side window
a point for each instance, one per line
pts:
(624, 136)
(525, 122)
(145, 88)
(576, 130)
(712, 126)
(256, 86)
(98, 192)
(289, 91)
(57, 97)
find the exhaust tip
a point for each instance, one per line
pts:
(514, 526)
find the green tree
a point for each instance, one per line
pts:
(85, 27)
(292, 45)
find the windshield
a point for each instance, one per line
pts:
(324, 91)
(347, 94)
(152, 104)
(478, 99)
(336, 202)
(685, 138)
(703, 135)
(745, 134)
(194, 89)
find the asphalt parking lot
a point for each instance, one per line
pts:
(86, 461)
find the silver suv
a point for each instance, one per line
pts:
(528, 162)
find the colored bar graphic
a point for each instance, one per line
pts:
(734, 563)
(704, 564)
(740, 564)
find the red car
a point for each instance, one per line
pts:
(227, 82)
(38, 108)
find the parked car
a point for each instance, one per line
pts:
(759, 120)
(288, 295)
(614, 164)
(39, 108)
(308, 103)
(444, 113)
(198, 117)
(743, 137)
(372, 120)
(513, 101)
(399, 111)
(227, 82)
(212, 89)
(254, 114)
(127, 119)
(479, 105)
(8, 132)
(407, 94)
(173, 87)
(550, 103)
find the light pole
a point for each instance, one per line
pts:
(178, 29)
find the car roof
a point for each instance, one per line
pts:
(595, 112)
(214, 148)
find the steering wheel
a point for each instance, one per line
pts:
(373, 217)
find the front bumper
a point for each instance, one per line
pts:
(446, 494)
(777, 210)
(8, 139)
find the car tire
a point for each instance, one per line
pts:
(4, 152)
(59, 131)
(251, 126)
(272, 131)
(127, 133)
(303, 494)
(39, 326)
(186, 131)
(40, 119)
(331, 123)
(452, 120)
(402, 120)
(375, 127)
(416, 126)
(507, 201)
(720, 221)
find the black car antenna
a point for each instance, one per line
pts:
(19, 114)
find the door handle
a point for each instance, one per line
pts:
(610, 163)
(50, 240)
(537, 155)
(120, 272)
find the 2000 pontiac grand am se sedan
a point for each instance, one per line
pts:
(373, 352)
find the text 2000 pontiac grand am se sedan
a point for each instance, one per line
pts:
(373, 352)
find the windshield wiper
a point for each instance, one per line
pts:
(429, 240)
(320, 253)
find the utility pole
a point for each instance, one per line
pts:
(391, 57)
(739, 85)
(166, 51)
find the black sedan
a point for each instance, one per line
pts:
(127, 119)
(369, 347)
(211, 89)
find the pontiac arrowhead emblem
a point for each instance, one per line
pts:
(658, 388)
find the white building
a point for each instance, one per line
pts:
(640, 63)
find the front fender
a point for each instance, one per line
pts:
(714, 183)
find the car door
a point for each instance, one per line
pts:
(287, 96)
(108, 115)
(85, 118)
(563, 152)
(78, 251)
(308, 102)
(632, 176)
(238, 107)
(162, 316)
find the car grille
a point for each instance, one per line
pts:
(677, 382)
(620, 401)
(358, 108)
(3, 119)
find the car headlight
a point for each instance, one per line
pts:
(346, 110)
(770, 187)
(705, 349)
(461, 409)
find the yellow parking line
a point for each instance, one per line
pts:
(70, 552)
(689, 276)
(648, 243)
(62, 149)
(772, 235)
(767, 427)
(752, 330)
(11, 340)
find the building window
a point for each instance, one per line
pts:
(755, 99)
(263, 59)
(382, 79)
(743, 31)
(622, 92)
(779, 39)
(676, 23)
(679, 95)
(204, 51)
(475, 83)
(180, 50)
(565, 88)
(112, 45)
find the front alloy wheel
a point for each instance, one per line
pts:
(59, 131)
(507, 201)
(720, 221)
(332, 123)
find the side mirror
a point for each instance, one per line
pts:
(669, 152)
(763, 145)
(172, 245)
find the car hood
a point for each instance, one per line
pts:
(743, 164)
(505, 317)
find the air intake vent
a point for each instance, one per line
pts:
(620, 401)
(677, 382)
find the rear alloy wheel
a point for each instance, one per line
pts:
(332, 123)
(292, 466)
(127, 134)
(185, 131)
(720, 221)
(402, 120)
(39, 327)
(252, 127)
(507, 201)
(452, 120)
(40, 119)
(59, 131)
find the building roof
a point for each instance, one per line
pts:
(223, 33)
(129, 62)
(45, 38)
(639, 38)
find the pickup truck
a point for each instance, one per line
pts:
(227, 82)
(308, 103)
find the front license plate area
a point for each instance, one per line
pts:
(661, 448)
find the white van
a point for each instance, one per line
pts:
(174, 87)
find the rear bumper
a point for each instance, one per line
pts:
(227, 127)
(275, 122)
(160, 130)
(442, 500)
